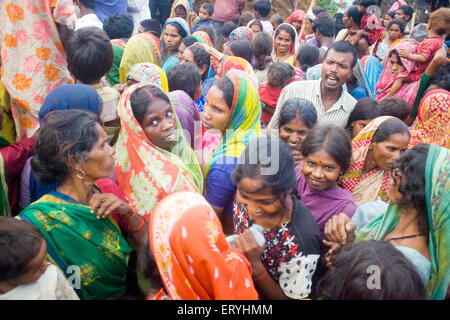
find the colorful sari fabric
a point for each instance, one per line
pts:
(433, 124)
(146, 173)
(374, 184)
(33, 56)
(202, 37)
(184, 3)
(408, 91)
(244, 123)
(75, 237)
(7, 129)
(292, 50)
(437, 192)
(149, 72)
(5, 209)
(295, 16)
(241, 33)
(142, 47)
(118, 46)
(173, 60)
(193, 257)
(187, 113)
(231, 63)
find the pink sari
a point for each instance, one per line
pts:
(408, 91)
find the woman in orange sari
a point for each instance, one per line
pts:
(193, 257)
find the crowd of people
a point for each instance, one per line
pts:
(225, 153)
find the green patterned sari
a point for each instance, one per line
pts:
(437, 192)
(75, 237)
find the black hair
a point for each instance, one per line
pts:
(89, 55)
(397, 54)
(227, 28)
(344, 47)
(188, 41)
(179, 28)
(180, 6)
(201, 58)
(442, 78)
(263, 7)
(270, 160)
(391, 14)
(278, 19)
(389, 127)
(324, 25)
(298, 108)
(88, 3)
(333, 139)
(258, 23)
(184, 76)
(354, 13)
(243, 49)
(119, 26)
(209, 7)
(368, 3)
(66, 135)
(396, 107)
(399, 22)
(245, 18)
(141, 98)
(319, 11)
(147, 264)
(262, 49)
(365, 109)
(279, 73)
(349, 276)
(210, 31)
(227, 87)
(287, 29)
(338, 23)
(412, 167)
(152, 25)
(20, 242)
(307, 56)
(407, 10)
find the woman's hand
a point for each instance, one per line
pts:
(106, 203)
(339, 228)
(298, 157)
(334, 248)
(247, 244)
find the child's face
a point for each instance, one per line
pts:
(387, 18)
(396, 65)
(297, 24)
(35, 268)
(321, 170)
(180, 12)
(255, 28)
(274, 24)
(394, 32)
(203, 14)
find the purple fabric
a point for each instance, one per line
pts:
(325, 204)
(187, 113)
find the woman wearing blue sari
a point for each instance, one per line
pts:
(174, 31)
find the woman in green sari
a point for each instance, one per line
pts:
(75, 219)
(417, 221)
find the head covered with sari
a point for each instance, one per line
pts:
(203, 37)
(408, 91)
(173, 60)
(146, 173)
(142, 47)
(244, 123)
(69, 97)
(295, 43)
(241, 33)
(187, 113)
(149, 72)
(433, 125)
(297, 15)
(437, 194)
(375, 183)
(232, 63)
(184, 3)
(193, 257)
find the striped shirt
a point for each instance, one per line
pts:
(310, 90)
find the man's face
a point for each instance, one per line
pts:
(400, 14)
(336, 69)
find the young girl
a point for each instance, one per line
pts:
(25, 273)
(364, 111)
(262, 48)
(280, 74)
(395, 30)
(307, 56)
(326, 154)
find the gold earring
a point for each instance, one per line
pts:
(83, 175)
